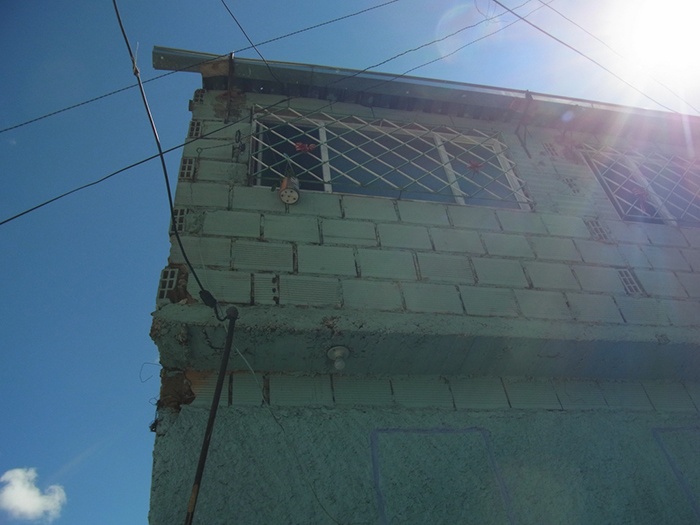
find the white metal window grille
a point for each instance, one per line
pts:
(629, 281)
(198, 97)
(195, 130)
(186, 169)
(648, 187)
(385, 158)
(179, 220)
(168, 280)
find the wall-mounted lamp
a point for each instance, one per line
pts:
(338, 354)
(289, 190)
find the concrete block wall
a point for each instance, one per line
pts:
(577, 263)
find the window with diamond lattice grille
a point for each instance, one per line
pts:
(385, 158)
(648, 187)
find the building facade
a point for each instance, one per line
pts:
(469, 305)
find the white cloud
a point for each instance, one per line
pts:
(21, 498)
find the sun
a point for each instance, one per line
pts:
(660, 37)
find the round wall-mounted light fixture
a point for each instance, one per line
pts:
(338, 354)
(289, 190)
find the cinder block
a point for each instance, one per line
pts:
(594, 308)
(438, 267)
(209, 149)
(489, 301)
(473, 217)
(501, 272)
(665, 235)
(555, 249)
(423, 213)
(375, 295)
(634, 256)
(434, 298)
(642, 310)
(565, 226)
(357, 233)
(310, 291)
(266, 288)
(692, 235)
(664, 284)
(232, 223)
(521, 222)
(597, 279)
(246, 389)
(351, 390)
(503, 244)
(226, 286)
(542, 305)
(421, 392)
(682, 313)
(452, 240)
(372, 208)
(478, 393)
(693, 258)
(600, 253)
(579, 395)
(669, 397)
(209, 194)
(550, 275)
(693, 390)
(202, 251)
(300, 390)
(404, 236)
(387, 263)
(316, 204)
(665, 258)
(218, 171)
(531, 394)
(691, 283)
(286, 228)
(256, 198)
(203, 385)
(330, 260)
(629, 396)
(262, 256)
(627, 232)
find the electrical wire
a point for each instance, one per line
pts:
(679, 97)
(572, 48)
(275, 39)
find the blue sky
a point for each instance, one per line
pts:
(79, 276)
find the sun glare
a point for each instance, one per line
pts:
(661, 38)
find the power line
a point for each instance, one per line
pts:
(293, 33)
(620, 55)
(585, 56)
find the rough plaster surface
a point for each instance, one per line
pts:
(419, 466)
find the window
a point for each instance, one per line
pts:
(385, 158)
(179, 220)
(186, 169)
(648, 187)
(198, 97)
(168, 280)
(195, 130)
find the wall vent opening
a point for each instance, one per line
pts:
(186, 169)
(629, 281)
(597, 230)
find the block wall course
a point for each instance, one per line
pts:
(555, 249)
(208, 149)
(309, 291)
(692, 235)
(522, 222)
(208, 194)
(500, 272)
(375, 295)
(543, 305)
(623, 232)
(633, 256)
(489, 302)
(389, 264)
(682, 313)
(266, 288)
(357, 233)
(418, 392)
(287, 228)
(669, 397)
(434, 298)
(665, 258)
(552, 276)
(207, 251)
(478, 393)
(594, 252)
(665, 235)
(642, 310)
(565, 226)
(664, 284)
(693, 258)
(226, 286)
(331, 260)
(594, 308)
(473, 217)
(630, 396)
(349, 390)
(531, 394)
(316, 203)
(245, 390)
(423, 213)
(220, 171)
(254, 198)
(691, 283)
(579, 395)
(438, 267)
(404, 236)
(452, 240)
(262, 256)
(295, 391)
(597, 279)
(232, 224)
(507, 245)
(369, 208)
